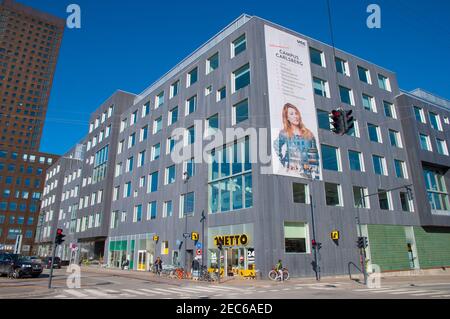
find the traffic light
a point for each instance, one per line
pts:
(349, 121)
(337, 117)
(316, 245)
(194, 236)
(362, 242)
(59, 236)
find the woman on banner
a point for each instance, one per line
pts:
(296, 145)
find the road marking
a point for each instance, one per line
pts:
(388, 291)
(61, 296)
(428, 294)
(286, 289)
(371, 289)
(441, 296)
(135, 292)
(75, 293)
(325, 288)
(96, 292)
(407, 292)
(298, 287)
(169, 291)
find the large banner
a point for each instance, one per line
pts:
(295, 145)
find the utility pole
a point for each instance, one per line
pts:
(315, 244)
(202, 220)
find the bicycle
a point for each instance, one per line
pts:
(205, 275)
(275, 274)
(180, 273)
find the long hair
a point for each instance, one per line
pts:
(289, 128)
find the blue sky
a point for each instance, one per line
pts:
(128, 45)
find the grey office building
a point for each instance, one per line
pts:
(137, 200)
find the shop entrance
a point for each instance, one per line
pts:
(143, 260)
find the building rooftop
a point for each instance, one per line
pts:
(430, 97)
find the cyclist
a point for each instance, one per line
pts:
(279, 269)
(158, 265)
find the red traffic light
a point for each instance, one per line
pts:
(59, 231)
(313, 242)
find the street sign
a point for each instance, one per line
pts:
(335, 235)
(199, 252)
(199, 245)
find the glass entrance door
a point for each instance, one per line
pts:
(142, 260)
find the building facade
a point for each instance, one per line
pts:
(29, 47)
(156, 193)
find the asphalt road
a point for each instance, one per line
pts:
(98, 285)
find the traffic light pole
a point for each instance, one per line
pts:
(203, 238)
(316, 246)
(51, 266)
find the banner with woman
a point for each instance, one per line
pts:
(294, 132)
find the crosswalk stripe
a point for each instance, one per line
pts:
(224, 287)
(442, 296)
(371, 289)
(116, 292)
(195, 290)
(427, 293)
(135, 292)
(388, 291)
(169, 291)
(406, 292)
(75, 293)
(61, 296)
(96, 292)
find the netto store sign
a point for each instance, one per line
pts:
(232, 240)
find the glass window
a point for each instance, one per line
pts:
(300, 193)
(187, 204)
(384, 200)
(323, 118)
(141, 159)
(436, 190)
(394, 138)
(190, 135)
(239, 45)
(383, 83)
(156, 150)
(360, 197)
(330, 158)
(173, 115)
(441, 147)
(346, 95)
(168, 209)
(127, 190)
(364, 75)
(355, 159)
(191, 105)
(212, 124)
(189, 168)
(157, 125)
(151, 210)
(170, 175)
(317, 57)
(369, 103)
(374, 133)
(342, 67)
(241, 77)
(400, 169)
(144, 133)
(295, 237)
(212, 63)
(389, 110)
(425, 143)
(221, 94)
(159, 100)
(192, 77)
(406, 202)
(137, 216)
(146, 109)
(152, 183)
(170, 145)
(174, 89)
(418, 113)
(333, 194)
(240, 112)
(379, 165)
(435, 121)
(321, 87)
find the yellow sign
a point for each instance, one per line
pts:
(194, 236)
(232, 240)
(335, 235)
(155, 238)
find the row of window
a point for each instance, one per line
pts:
(425, 144)
(334, 197)
(101, 119)
(27, 157)
(21, 207)
(346, 95)
(11, 168)
(342, 67)
(435, 119)
(95, 198)
(9, 180)
(331, 159)
(13, 233)
(17, 194)
(19, 219)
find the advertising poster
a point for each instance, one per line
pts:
(294, 136)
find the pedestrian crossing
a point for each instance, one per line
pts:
(224, 291)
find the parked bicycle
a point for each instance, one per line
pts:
(205, 275)
(274, 274)
(180, 273)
